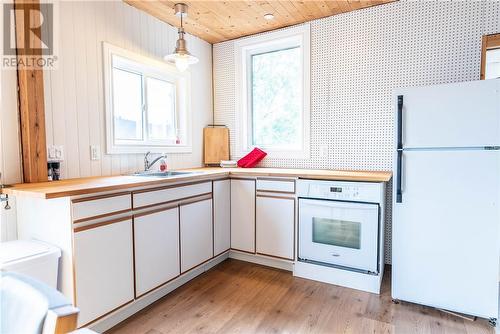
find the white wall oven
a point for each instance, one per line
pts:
(339, 224)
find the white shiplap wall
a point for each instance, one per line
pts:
(10, 148)
(357, 59)
(74, 91)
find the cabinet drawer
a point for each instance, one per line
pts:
(148, 198)
(99, 206)
(282, 186)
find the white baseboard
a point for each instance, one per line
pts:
(261, 259)
(346, 278)
(128, 310)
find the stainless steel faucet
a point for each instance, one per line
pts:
(147, 164)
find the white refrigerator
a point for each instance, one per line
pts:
(446, 199)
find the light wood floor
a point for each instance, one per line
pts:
(239, 297)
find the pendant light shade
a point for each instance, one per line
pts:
(181, 56)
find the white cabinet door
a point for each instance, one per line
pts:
(103, 269)
(243, 215)
(222, 216)
(196, 234)
(156, 239)
(275, 225)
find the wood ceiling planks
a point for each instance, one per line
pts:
(218, 21)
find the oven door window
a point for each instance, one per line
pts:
(339, 233)
(336, 232)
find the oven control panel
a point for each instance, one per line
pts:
(341, 190)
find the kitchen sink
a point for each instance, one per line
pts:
(163, 174)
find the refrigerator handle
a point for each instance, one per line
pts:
(399, 173)
(400, 122)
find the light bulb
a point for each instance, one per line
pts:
(181, 63)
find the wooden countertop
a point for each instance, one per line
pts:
(92, 185)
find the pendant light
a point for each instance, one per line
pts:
(181, 56)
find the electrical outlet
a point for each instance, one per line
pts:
(95, 152)
(55, 153)
(51, 152)
(59, 153)
(323, 151)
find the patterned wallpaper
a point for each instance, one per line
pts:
(357, 59)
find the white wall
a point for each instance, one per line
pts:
(10, 150)
(74, 91)
(357, 59)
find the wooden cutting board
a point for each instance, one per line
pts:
(215, 145)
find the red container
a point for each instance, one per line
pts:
(252, 159)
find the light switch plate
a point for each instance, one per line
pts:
(95, 152)
(323, 151)
(55, 153)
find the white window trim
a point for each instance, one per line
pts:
(263, 42)
(183, 97)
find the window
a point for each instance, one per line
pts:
(147, 106)
(492, 64)
(272, 78)
(490, 57)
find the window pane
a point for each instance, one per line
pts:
(127, 104)
(161, 109)
(492, 64)
(276, 99)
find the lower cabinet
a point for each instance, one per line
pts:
(156, 240)
(222, 216)
(104, 273)
(196, 233)
(164, 243)
(243, 215)
(275, 226)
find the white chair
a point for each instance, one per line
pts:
(29, 306)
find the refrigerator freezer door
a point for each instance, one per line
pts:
(454, 115)
(445, 248)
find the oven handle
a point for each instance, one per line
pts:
(337, 204)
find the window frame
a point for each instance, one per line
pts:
(488, 42)
(269, 42)
(147, 67)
